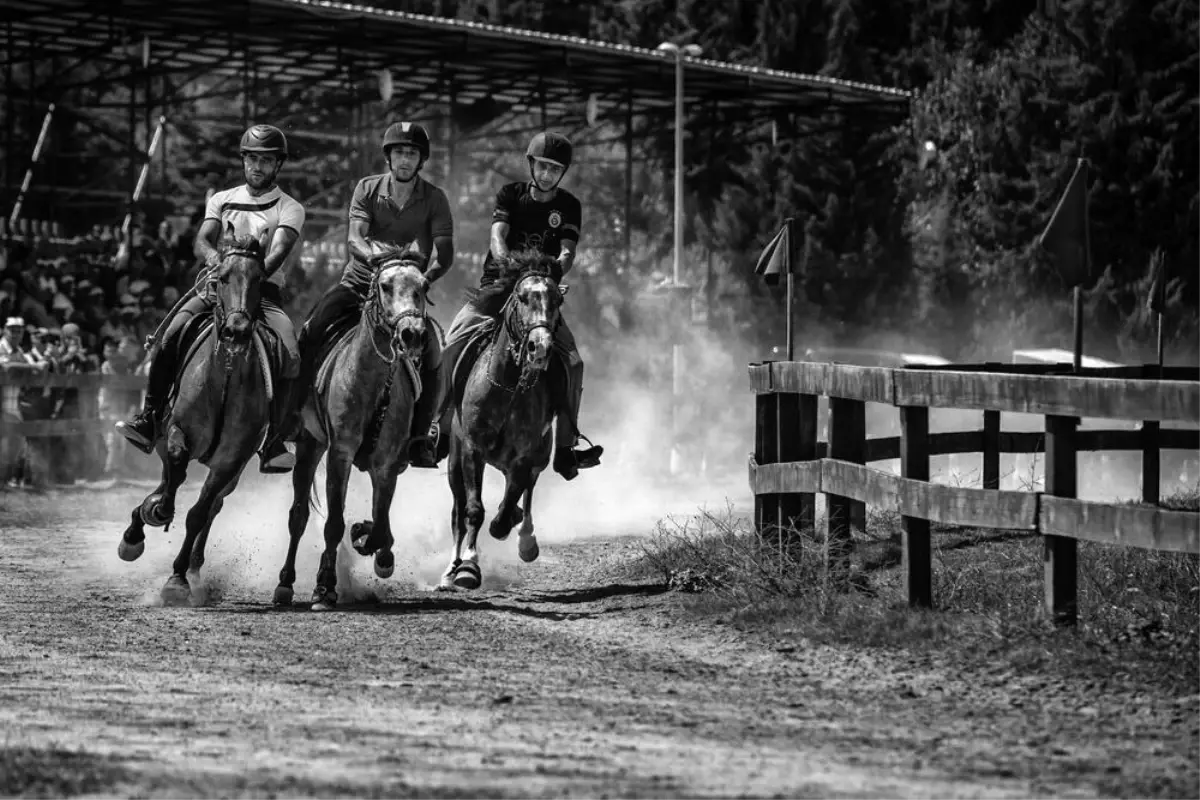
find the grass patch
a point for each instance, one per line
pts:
(987, 585)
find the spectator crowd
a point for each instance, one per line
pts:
(83, 305)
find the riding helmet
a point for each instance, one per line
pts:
(265, 139)
(550, 146)
(412, 134)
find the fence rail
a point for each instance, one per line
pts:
(91, 383)
(790, 466)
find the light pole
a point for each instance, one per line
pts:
(679, 52)
(676, 291)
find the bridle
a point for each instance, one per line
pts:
(221, 315)
(518, 337)
(375, 315)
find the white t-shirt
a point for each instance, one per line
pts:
(250, 216)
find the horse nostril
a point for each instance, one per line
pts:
(407, 337)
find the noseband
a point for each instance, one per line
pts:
(376, 317)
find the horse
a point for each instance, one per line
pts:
(503, 411)
(360, 410)
(219, 415)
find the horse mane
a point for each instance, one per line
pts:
(391, 252)
(490, 299)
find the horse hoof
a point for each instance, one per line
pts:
(283, 595)
(152, 512)
(528, 552)
(468, 576)
(385, 564)
(324, 600)
(360, 537)
(500, 532)
(131, 551)
(177, 591)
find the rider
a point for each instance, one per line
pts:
(396, 207)
(538, 214)
(257, 205)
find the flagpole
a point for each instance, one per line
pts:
(1160, 343)
(1087, 270)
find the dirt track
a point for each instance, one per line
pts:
(557, 681)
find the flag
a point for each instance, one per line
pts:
(776, 257)
(1066, 237)
(1156, 301)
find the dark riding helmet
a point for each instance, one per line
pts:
(265, 139)
(412, 134)
(550, 146)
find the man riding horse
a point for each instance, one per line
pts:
(540, 215)
(256, 206)
(397, 207)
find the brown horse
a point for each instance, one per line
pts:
(503, 412)
(219, 416)
(360, 409)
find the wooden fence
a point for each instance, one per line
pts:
(790, 465)
(89, 385)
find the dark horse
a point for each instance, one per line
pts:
(360, 409)
(503, 411)
(219, 415)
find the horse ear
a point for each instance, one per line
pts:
(264, 241)
(229, 232)
(563, 289)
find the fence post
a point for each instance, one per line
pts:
(1151, 453)
(847, 435)
(1060, 552)
(991, 449)
(766, 451)
(797, 441)
(914, 464)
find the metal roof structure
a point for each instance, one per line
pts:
(284, 45)
(487, 80)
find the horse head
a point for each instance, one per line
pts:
(236, 284)
(531, 312)
(397, 299)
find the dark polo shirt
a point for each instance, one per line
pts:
(425, 216)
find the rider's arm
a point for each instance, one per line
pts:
(572, 222)
(441, 226)
(291, 222)
(499, 239)
(206, 241)
(361, 217)
(281, 247)
(506, 204)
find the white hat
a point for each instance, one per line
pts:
(15, 322)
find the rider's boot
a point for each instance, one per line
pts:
(141, 430)
(275, 458)
(567, 396)
(422, 447)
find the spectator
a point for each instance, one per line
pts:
(121, 357)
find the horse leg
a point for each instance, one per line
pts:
(527, 546)
(383, 486)
(308, 456)
(158, 508)
(458, 516)
(197, 559)
(177, 589)
(467, 573)
(508, 514)
(337, 475)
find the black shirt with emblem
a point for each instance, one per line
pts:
(532, 224)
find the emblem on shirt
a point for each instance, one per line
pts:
(555, 219)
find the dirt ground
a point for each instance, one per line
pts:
(556, 679)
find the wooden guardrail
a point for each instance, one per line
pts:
(790, 465)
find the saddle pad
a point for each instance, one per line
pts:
(197, 334)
